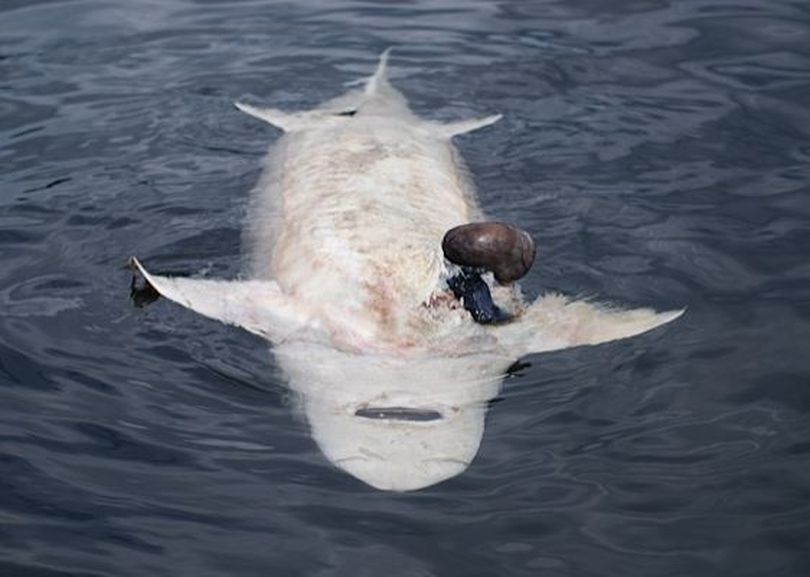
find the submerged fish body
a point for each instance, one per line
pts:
(348, 280)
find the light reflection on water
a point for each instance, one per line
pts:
(657, 151)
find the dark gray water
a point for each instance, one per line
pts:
(658, 151)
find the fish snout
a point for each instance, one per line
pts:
(392, 474)
(505, 250)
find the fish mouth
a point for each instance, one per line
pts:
(407, 414)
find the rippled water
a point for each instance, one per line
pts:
(658, 151)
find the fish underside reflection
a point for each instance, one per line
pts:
(393, 362)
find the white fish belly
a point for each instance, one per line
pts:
(360, 214)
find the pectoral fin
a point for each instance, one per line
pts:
(257, 306)
(554, 322)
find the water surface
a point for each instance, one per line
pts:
(658, 151)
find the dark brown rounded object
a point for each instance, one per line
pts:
(505, 250)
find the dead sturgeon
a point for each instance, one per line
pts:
(349, 280)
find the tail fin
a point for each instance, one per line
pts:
(380, 76)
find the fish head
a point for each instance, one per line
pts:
(397, 424)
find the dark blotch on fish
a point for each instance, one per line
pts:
(505, 250)
(143, 294)
(473, 292)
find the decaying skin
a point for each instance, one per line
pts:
(348, 280)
